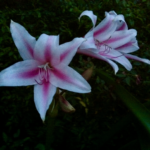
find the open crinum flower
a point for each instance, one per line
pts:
(44, 65)
(110, 40)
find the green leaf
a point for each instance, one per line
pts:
(133, 145)
(123, 123)
(127, 80)
(144, 137)
(5, 137)
(138, 109)
(17, 134)
(40, 147)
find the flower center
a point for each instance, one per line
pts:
(106, 50)
(44, 73)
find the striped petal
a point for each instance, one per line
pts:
(129, 47)
(115, 55)
(90, 15)
(105, 28)
(23, 40)
(121, 25)
(20, 74)
(90, 53)
(137, 58)
(69, 49)
(46, 49)
(120, 38)
(43, 96)
(66, 78)
(89, 43)
(123, 61)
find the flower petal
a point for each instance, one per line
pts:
(106, 28)
(137, 58)
(43, 95)
(90, 53)
(115, 55)
(121, 24)
(113, 13)
(129, 47)
(66, 78)
(46, 49)
(23, 40)
(69, 49)
(120, 38)
(90, 15)
(89, 43)
(20, 74)
(123, 61)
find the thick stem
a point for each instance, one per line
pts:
(50, 123)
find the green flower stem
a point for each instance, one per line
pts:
(50, 123)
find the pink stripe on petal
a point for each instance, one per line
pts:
(29, 74)
(124, 46)
(114, 39)
(66, 78)
(122, 27)
(45, 92)
(28, 47)
(66, 53)
(103, 28)
(62, 76)
(47, 52)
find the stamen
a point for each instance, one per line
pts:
(44, 73)
(106, 50)
(38, 83)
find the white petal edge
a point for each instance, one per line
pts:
(23, 40)
(90, 15)
(144, 60)
(69, 49)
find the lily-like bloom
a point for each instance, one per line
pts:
(44, 65)
(110, 40)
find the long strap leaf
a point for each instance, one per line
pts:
(137, 108)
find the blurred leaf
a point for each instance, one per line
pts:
(5, 137)
(133, 145)
(40, 147)
(143, 136)
(138, 109)
(127, 80)
(17, 134)
(120, 125)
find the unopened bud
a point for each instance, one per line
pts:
(88, 73)
(65, 105)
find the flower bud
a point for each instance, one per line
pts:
(88, 73)
(65, 105)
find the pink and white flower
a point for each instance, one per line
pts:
(44, 65)
(110, 40)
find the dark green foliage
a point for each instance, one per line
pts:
(103, 122)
